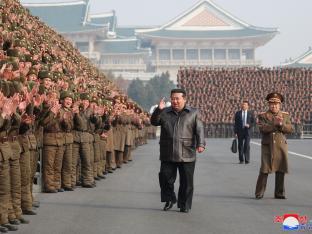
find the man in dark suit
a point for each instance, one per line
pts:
(244, 120)
(182, 134)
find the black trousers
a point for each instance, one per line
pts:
(167, 177)
(244, 147)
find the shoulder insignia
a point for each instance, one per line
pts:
(285, 113)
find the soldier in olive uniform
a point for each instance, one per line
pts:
(95, 125)
(66, 98)
(119, 140)
(28, 160)
(110, 154)
(15, 211)
(274, 125)
(103, 142)
(129, 139)
(81, 147)
(5, 190)
(53, 147)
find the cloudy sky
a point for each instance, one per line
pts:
(292, 18)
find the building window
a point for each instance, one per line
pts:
(105, 60)
(134, 60)
(164, 54)
(192, 54)
(248, 54)
(178, 54)
(82, 46)
(220, 54)
(206, 54)
(234, 54)
(116, 61)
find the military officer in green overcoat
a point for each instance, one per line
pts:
(274, 124)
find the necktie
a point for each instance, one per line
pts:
(244, 118)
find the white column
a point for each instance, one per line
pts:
(212, 54)
(226, 56)
(198, 53)
(157, 58)
(91, 46)
(240, 55)
(184, 56)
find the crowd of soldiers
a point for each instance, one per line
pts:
(54, 103)
(231, 85)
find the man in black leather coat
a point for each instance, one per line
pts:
(182, 134)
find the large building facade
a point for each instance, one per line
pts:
(204, 35)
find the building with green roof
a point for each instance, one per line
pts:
(204, 35)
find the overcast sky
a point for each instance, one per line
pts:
(292, 18)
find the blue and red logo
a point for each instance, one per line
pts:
(293, 222)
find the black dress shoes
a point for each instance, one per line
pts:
(184, 210)
(61, 190)
(279, 197)
(168, 205)
(258, 197)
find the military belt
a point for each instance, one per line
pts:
(53, 132)
(7, 139)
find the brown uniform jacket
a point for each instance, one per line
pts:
(5, 149)
(80, 133)
(67, 126)
(53, 132)
(274, 150)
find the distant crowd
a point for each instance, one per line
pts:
(219, 92)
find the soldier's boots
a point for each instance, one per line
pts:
(110, 170)
(87, 186)
(68, 189)
(19, 221)
(14, 222)
(51, 191)
(9, 227)
(3, 229)
(23, 220)
(36, 204)
(29, 212)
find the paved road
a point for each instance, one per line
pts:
(128, 202)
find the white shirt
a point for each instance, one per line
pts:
(244, 117)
